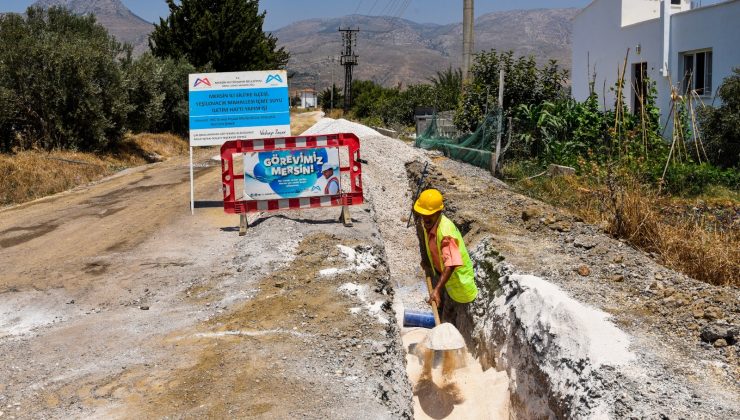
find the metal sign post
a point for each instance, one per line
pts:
(192, 184)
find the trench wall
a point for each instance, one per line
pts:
(542, 339)
(563, 358)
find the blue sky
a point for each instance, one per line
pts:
(283, 12)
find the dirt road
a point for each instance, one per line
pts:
(116, 302)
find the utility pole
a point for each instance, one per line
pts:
(332, 60)
(497, 152)
(468, 17)
(348, 60)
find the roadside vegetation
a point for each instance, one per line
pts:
(375, 105)
(76, 105)
(677, 200)
(673, 192)
(27, 175)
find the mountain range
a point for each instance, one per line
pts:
(114, 16)
(392, 51)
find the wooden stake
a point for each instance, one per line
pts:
(243, 224)
(345, 217)
(619, 107)
(434, 304)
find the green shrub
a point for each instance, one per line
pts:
(690, 179)
(365, 94)
(173, 85)
(325, 98)
(396, 106)
(721, 125)
(525, 84)
(60, 82)
(447, 87)
(143, 80)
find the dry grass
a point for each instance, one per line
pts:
(165, 145)
(701, 248)
(693, 247)
(32, 174)
(335, 113)
(299, 125)
(302, 121)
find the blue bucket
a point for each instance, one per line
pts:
(418, 319)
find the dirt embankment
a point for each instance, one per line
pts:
(32, 174)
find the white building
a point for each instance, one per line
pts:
(309, 98)
(674, 42)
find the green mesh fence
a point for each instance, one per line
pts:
(476, 148)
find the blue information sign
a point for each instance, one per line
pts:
(239, 105)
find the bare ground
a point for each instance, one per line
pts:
(116, 302)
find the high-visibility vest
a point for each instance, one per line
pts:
(461, 285)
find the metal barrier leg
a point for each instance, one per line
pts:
(345, 217)
(243, 224)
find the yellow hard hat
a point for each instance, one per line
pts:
(429, 202)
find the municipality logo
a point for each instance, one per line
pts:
(275, 77)
(203, 81)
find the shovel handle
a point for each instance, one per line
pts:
(434, 304)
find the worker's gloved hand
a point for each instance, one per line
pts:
(436, 297)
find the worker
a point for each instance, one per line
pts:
(447, 258)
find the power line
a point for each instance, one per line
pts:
(359, 4)
(388, 7)
(373, 7)
(402, 9)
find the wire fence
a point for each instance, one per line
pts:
(475, 148)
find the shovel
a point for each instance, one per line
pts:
(443, 336)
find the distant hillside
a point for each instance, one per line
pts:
(112, 14)
(391, 50)
(396, 51)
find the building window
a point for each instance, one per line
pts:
(639, 87)
(676, 2)
(697, 72)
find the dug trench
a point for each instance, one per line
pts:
(603, 344)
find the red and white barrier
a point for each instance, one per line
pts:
(353, 168)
